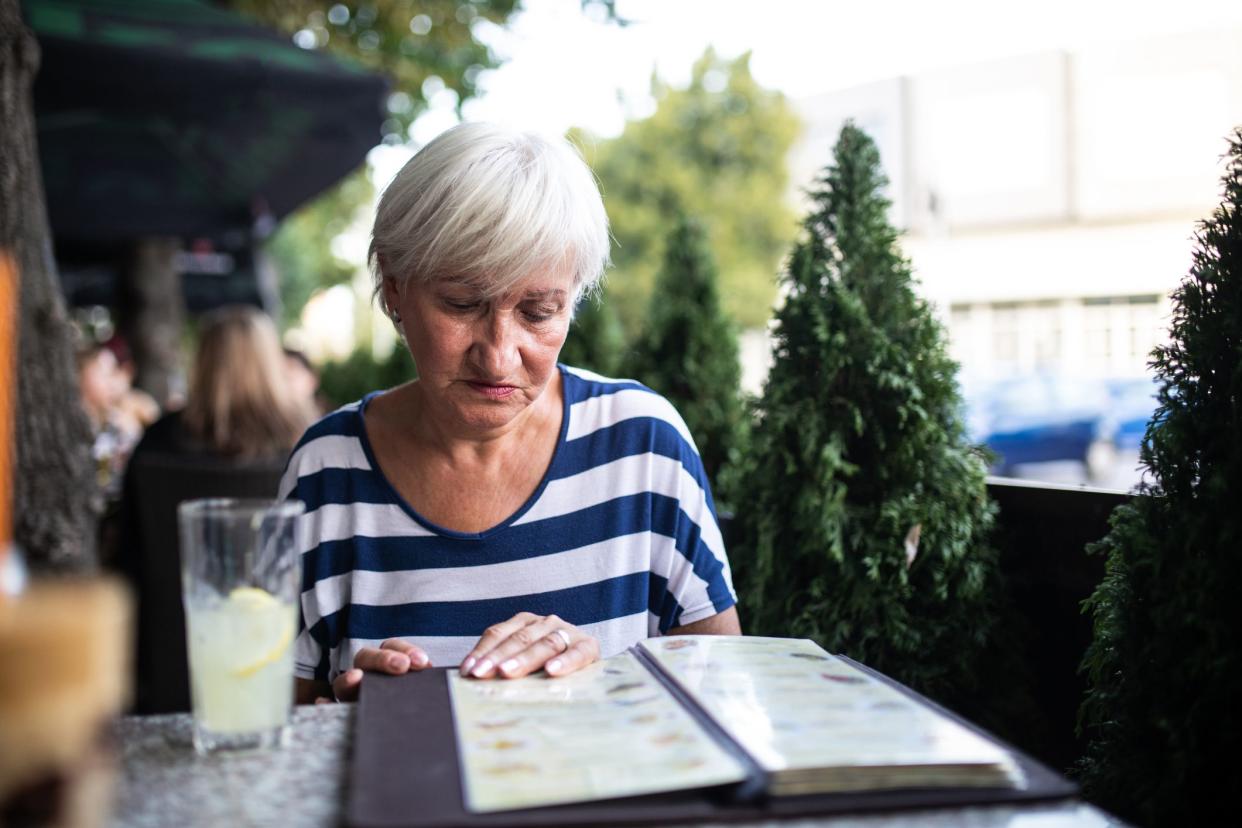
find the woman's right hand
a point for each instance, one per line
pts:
(394, 657)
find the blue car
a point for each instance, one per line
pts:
(1133, 404)
(1043, 418)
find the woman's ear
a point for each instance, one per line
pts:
(390, 293)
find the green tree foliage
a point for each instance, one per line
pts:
(424, 45)
(361, 373)
(858, 453)
(596, 341)
(688, 349)
(301, 246)
(1165, 670)
(716, 150)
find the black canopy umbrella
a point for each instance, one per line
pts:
(178, 118)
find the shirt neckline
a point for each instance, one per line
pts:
(444, 531)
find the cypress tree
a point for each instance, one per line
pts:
(350, 379)
(596, 341)
(1164, 708)
(865, 513)
(688, 349)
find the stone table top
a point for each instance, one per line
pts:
(163, 782)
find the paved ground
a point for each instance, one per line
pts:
(1121, 471)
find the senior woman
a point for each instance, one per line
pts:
(502, 512)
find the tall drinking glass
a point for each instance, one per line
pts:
(240, 582)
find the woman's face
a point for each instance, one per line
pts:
(482, 361)
(98, 381)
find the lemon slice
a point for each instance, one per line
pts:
(277, 650)
(267, 625)
(252, 598)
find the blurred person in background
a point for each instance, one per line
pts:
(136, 407)
(241, 403)
(304, 380)
(114, 430)
(119, 415)
(232, 438)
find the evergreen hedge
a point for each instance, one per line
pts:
(863, 516)
(688, 349)
(1164, 709)
(342, 382)
(596, 340)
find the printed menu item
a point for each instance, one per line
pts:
(607, 731)
(816, 724)
(687, 712)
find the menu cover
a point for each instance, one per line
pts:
(678, 729)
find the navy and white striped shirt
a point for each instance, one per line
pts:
(619, 539)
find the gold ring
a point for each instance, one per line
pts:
(564, 637)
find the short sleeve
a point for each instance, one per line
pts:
(309, 660)
(313, 466)
(691, 579)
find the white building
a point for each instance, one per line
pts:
(1050, 201)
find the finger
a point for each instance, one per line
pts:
(417, 656)
(323, 700)
(379, 660)
(530, 647)
(345, 686)
(535, 656)
(580, 654)
(473, 663)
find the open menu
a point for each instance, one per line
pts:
(610, 730)
(773, 716)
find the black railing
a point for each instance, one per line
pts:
(1042, 533)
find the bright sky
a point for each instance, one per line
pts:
(563, 69)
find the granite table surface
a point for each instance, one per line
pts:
(162, 782)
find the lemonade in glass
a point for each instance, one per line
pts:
(240, 568)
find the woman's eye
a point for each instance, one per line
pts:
(461, 304)
(540, 314)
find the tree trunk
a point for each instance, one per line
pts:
(152, 312)
(56, 499)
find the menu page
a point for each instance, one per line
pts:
(609, 730)
(795, 708)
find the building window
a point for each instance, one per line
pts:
(1005, 332)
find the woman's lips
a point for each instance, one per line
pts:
(495, 392)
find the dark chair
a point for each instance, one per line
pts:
(150, 557)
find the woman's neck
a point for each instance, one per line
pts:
(457, 478)
(438, 431)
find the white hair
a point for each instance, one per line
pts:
(489, 206)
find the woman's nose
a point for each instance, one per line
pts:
(496, 344)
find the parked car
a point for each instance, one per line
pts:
(1044, 418)
(1133, 404)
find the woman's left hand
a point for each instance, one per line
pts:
(526, 642)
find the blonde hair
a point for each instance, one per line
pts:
(488, 206)
(239, 402)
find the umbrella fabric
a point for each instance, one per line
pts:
(174, 117)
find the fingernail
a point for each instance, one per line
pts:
(467, 664)
(419, 659)
(394, 661)
(509, 666)
(483, 669)
(554, 666)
